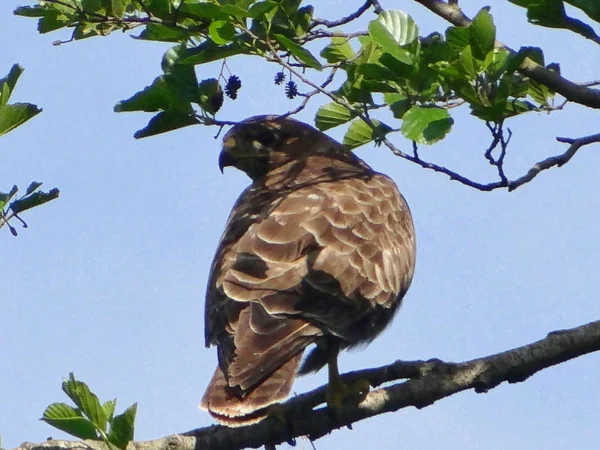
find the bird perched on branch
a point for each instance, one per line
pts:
(319, 249)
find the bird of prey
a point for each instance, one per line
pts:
(319, 249)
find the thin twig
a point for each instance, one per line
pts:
(344, 20)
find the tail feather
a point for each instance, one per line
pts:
(232, 408)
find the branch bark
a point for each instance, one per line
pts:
(429, 381)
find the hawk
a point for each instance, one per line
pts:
(319, 249)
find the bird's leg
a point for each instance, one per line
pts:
(337, 390)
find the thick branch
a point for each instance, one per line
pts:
(429, 381)
(571, 91)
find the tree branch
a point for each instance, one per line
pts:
(568, 89)
(429, 381)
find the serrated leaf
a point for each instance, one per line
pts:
(122, 428)
(361, 133)
(84, 398)
(426, 124)
(331, 115)
(166, 121)
(482, 34)
(299, 52)
(70, 420)
(467, 62)
(458, 37)
(339, 50)
(386, 41)
(11, 116)
(109, 409)
(400, 26)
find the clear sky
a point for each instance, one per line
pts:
(108, 281)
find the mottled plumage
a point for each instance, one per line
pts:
(319, 249)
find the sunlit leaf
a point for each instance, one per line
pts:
(70, 420)
(331, 115)
(361, 133)
(426, 125)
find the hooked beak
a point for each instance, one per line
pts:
(226, 159)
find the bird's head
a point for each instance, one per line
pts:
(259, 143)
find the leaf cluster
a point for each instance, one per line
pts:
(89, 418)
(12, 116)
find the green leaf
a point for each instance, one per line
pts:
(159, 8)
(8, 83)
(482, 34)
(5, 197)
(118, 7)
(54, 19)
(160, 95)
(109, 409)
(458, 37)
(221, 32)
(122, 428)
(166, 121)
(467, 62)
(11, 116)
(547, 13)
(68, 419)
(33, 186)
(339, 50)
(91, 6)
(208, 51)
(204, 10)
(259, 9)
(400, 26)
(160, 32)
(85, 400)
(386, 41)
(398, 104)
(331, 115)
(303, 55)
(235, 11)
(30, 11)
(426, 124)
(361, 133)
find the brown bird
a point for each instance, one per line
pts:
(319, 249)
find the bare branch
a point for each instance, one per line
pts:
(571, 91)
(429, 382)
(545, 164)
(344, 20)
(558, 160)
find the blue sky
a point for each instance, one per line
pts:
(108, 281)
